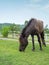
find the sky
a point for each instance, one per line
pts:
(17, 11)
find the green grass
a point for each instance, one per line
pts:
(10, 55)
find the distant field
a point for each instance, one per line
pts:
(10, 55)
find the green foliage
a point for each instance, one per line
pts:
(4, 24)
(18, 29)
(13, 27)
(46, 29)
(26, 22)
(5, 31)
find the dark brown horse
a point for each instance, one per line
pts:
(34, 27)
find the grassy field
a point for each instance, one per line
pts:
(10, 55)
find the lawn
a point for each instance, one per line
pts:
(10, 55)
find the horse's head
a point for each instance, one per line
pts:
(23, 43)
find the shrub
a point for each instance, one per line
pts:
(5, 31)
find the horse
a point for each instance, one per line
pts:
(34, 27)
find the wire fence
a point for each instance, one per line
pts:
(16, 37)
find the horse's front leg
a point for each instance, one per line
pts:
(33, 42)
(39, 40)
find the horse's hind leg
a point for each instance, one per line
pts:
(42, 37)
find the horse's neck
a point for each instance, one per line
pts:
(27, 29)
(27, 32)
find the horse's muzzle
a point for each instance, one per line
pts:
(21, 50)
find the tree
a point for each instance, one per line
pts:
(13, 29)
(5, 31)
(18, 29)
(46, 29)
(26, 22)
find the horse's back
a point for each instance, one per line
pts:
(37, 24)
(40, 25)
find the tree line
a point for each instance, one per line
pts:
(7, 28)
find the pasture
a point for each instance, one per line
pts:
(10, 55)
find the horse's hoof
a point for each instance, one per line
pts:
(33, 49)
(45, 45)
(41, 49)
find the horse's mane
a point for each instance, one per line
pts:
(23, 31)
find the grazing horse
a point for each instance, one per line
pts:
(34, 27)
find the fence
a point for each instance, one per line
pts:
(16, 36)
